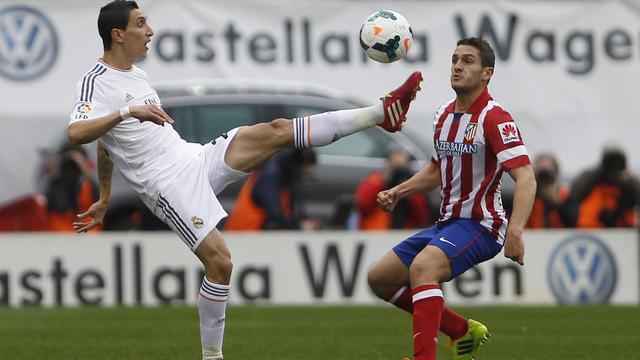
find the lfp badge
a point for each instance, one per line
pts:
(82, 111)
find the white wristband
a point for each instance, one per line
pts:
(125, 113)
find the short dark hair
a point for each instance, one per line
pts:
(487, 55)
(613, 160)
(550, 157)
(114, 15)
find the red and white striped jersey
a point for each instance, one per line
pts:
(472, 150)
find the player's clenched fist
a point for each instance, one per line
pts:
(153, 113)
(514, 246)
(387, 199)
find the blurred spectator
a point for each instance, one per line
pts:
(28, 213)
(606, 196)
(411, 212)
(71, 189)
(549, 210)
(267, 199)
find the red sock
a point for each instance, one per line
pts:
(453, 324)
(402, 299)
(428, 304)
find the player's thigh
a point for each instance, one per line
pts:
(431, 265)
(466, 244)
(389, 271)
(189, 206)
(213, 245)
(254, 144)
(219, 173)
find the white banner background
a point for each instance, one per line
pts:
(567, 70)
(272, 268)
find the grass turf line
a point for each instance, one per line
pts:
(283, 333)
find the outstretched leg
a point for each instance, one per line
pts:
(253, 145)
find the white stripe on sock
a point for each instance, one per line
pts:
(210, 290)
(307, 136)
(427, 294)
(397, 295)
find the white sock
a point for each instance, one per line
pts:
(212, 304)
(323, 129)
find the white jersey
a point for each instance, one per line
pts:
(147, 155)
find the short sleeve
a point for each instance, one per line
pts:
(88, 107)
(435, 158)
(505, 140)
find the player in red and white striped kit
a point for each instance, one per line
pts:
(475, 141)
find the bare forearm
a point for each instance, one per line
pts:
(523, 198)
(424, 180)
(105, 171)
(83, 132)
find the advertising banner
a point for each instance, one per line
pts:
(304, 268)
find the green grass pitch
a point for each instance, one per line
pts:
(301, 333)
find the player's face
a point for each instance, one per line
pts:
(137, 35)
(467, 72)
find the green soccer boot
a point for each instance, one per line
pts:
(467, 346)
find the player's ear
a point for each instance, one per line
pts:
(117, 36)
(488, 73)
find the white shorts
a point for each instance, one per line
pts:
(189, 204)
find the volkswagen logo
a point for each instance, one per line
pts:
(28, 43)
(582, 270)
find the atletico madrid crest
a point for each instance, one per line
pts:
(470, 131)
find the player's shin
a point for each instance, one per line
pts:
(325, 128)
(428, 303)
(451, 323)
(212, 304)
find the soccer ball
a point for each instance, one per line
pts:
(386, 36)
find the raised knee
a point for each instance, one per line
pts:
(282, 130)
(430, 269)
(421, 270)
(373, 278)
(378, 285)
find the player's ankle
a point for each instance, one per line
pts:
(211, 353)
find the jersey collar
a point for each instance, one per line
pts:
(114, 68)
(480, 102)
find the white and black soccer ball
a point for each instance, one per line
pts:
(386, 36)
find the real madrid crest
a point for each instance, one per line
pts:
(197, 222)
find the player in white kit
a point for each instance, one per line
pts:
(177, 180)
